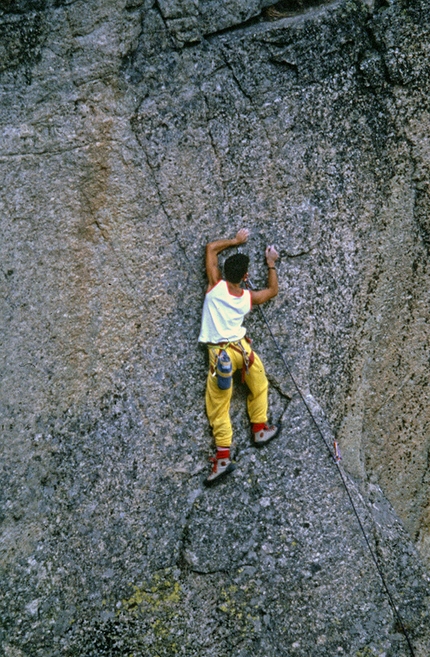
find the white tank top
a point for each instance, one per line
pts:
(223, 314)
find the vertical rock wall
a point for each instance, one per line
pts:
(132, 133)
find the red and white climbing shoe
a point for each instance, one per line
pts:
(263, 433)
(220, 468)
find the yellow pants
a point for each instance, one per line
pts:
(218, 401)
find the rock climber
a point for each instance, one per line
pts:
(225, 306)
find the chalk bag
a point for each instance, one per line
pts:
(224, 370)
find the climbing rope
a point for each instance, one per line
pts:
(336, 457)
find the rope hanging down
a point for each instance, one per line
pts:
(336, 458)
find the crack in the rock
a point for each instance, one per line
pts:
(152, 169)
(286, 8)
(415, 179)
(158, 9)
(238, 27)
(277, 386)
(181, 561)
(235, 78)
(6, 156)
(299, 254)
(245, 94)
(213, 143)
(297, 8)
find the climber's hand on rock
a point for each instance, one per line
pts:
(271, 255)
(242, 236)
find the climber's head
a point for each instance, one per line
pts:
(236, 267)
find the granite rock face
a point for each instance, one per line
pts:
(132, 133)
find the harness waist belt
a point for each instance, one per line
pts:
(248, 359)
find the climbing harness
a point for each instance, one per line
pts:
(248, 358)
(336, 457)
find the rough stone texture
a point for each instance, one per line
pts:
(133, 132)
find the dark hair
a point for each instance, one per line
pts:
(235, 267)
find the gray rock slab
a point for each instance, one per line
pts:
(131, 134)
